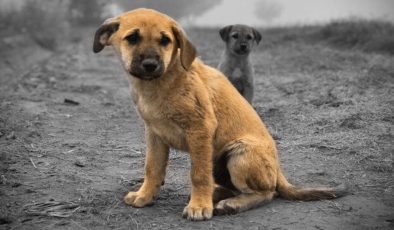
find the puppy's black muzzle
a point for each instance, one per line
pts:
(242, 49)
(147, 66)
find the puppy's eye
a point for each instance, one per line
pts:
(235, 36)
(164, 41)
(249, 37)
(133, 38)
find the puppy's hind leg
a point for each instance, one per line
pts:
(242, 202)
(253, 174)
(248, 92)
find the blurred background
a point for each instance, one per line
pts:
(69, 136)
(56, 17)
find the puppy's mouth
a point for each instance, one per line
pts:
(241, 51)
(145, 77)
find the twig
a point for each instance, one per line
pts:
(71, 102)
(69, 151)
(135, 222)
(34, 165)
(135, 151)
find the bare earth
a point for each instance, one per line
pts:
(67, 166)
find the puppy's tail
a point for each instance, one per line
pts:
(289, 192)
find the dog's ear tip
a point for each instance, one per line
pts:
(257, 35)
(97, 48)
(103, 34)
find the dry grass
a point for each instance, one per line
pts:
(369, 36)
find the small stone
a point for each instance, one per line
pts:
(80, 163)
(11, 136)
(16, 184)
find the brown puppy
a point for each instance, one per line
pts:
(193, 107)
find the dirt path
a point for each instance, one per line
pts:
(67, 166)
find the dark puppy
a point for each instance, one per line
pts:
(235, 62)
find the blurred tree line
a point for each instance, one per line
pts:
(92, 11)
(175, 8)
(85, 12)
(48, 22)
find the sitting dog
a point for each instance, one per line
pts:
(192, 107)
(235, 62)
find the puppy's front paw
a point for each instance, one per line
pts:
(136, 200)
(197, 213)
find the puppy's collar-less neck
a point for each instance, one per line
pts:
(235, 60)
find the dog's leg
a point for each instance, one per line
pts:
(248, 85)
(252, 167)
(221, 193)
(155, 167)
(242, 202)
(200, 206)
(248, 92)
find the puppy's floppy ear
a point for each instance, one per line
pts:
(225, 31)
(188, 52)
(103, 33)
(257, 36)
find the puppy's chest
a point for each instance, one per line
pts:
(149, 111)
(157, 115)
(237, 73)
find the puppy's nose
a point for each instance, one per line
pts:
(243, 46)
(150, 65)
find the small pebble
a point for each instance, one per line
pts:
(80, 163)
(11, 136)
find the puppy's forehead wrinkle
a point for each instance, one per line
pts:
(242, 29)
(146, 33)
(131, 31)
(164, 33)
(147, 30)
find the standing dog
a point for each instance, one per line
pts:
(235, 62)
(192, 107)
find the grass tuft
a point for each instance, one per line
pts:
(366, 35)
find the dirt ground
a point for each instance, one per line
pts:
(66, 165)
